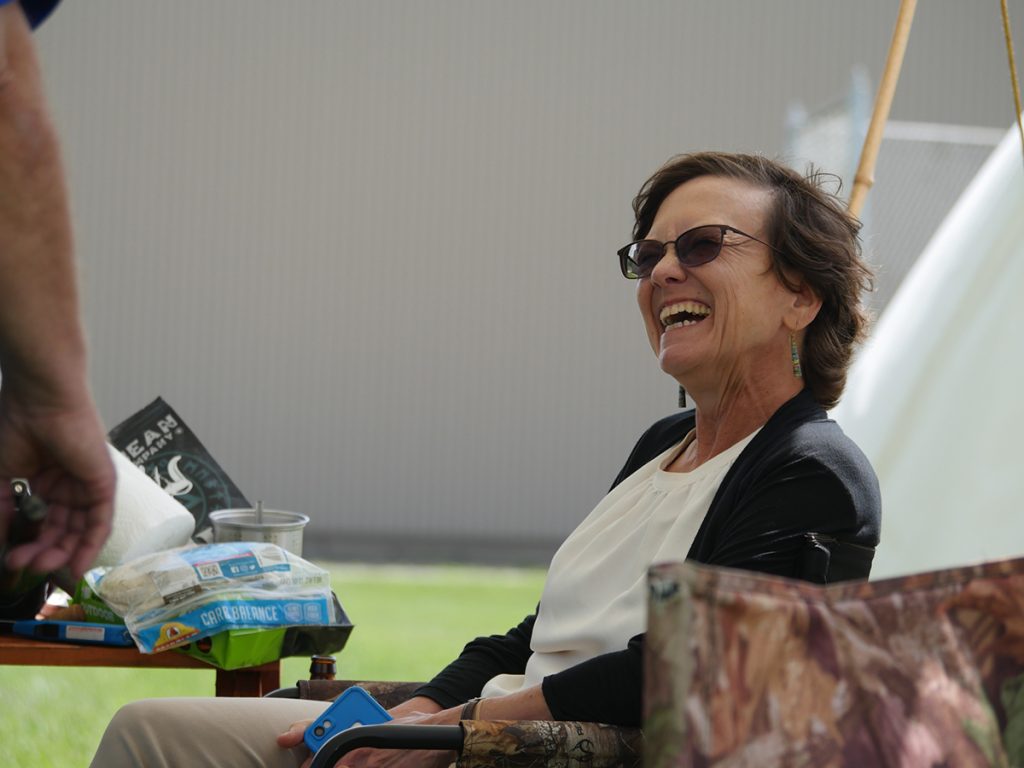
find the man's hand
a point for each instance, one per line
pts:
(60, 449)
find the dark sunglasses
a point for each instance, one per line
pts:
(694, 247)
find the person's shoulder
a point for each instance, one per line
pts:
(806, 438)
(821, 439)
(802, 428)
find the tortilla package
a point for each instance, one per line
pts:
(179, 596)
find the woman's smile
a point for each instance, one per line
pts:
(682, 314)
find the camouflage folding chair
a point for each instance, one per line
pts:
(923, 670)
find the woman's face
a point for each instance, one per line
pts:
(738, 314)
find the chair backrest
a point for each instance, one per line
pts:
(919, 670)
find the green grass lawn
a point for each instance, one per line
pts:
(409, 622)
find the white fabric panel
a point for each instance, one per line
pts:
(934, 398)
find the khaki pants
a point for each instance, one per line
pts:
(233, 732)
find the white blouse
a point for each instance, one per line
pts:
(595, 595)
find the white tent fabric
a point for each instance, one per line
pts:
(935, 397)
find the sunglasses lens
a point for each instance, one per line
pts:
(699, 246)
(642, 257)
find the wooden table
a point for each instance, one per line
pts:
(24, 651)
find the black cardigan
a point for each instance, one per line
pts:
(801, 500)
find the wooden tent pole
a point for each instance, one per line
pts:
(1013, 70)
(865, 175)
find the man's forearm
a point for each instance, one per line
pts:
(41, 342)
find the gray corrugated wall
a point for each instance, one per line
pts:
(367, 249)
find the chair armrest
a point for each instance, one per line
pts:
(480, 743)
(387, 737)
(536, 743)
(388, 694)
(505, 743)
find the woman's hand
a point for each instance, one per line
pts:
(293, 736)
(527, 704)
(387, 758)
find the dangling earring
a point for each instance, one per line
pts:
(682, 397)
(795, 357)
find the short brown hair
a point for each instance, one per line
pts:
(816, 238)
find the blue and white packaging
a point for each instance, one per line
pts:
(182, 595)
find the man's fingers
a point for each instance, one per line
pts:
(43, 555)
(83, 558)
(69, 537)
(92, 540)
(56, 556)
(26, 555)
(53, 547)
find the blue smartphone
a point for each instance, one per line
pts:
(354, 707)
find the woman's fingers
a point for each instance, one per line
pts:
(293, 736)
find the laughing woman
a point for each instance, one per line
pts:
(748, 277)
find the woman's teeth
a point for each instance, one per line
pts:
(683, 313)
